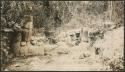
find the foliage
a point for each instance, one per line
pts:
(52, 15)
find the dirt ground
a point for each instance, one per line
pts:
(65, 57)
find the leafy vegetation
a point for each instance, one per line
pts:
(57, 16)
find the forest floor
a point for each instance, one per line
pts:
(64, 57)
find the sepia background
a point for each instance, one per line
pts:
(66, 36)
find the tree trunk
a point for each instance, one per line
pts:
(15, 43)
